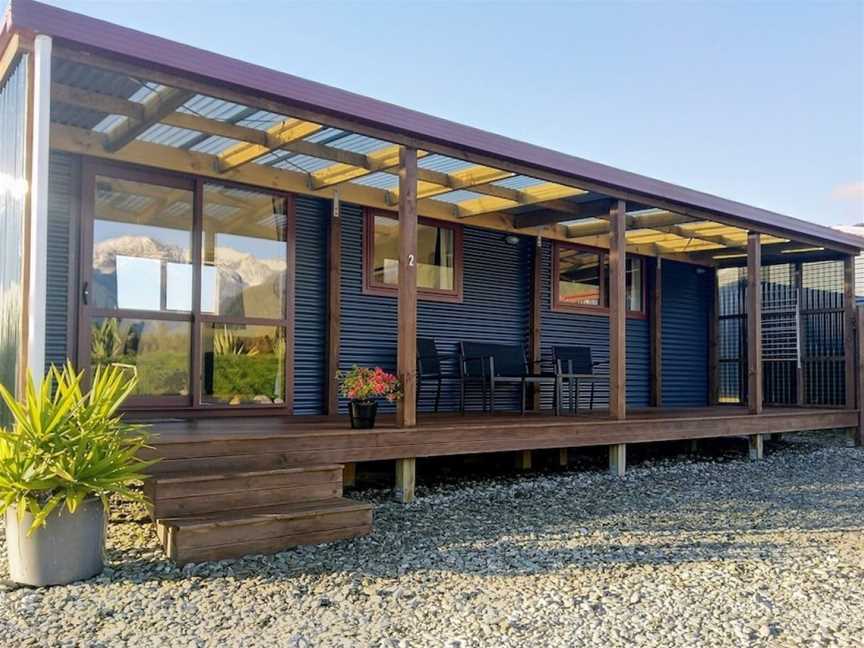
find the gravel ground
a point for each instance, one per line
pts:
(685, 551)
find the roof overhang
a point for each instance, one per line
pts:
(401, 125)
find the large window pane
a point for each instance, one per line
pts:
(245, 271)
(578, 277)
(243, 364)
(142, 242)
(436, 251)
(157, 350)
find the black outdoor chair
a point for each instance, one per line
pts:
(491, 365)
(572, 364)
(429, 366)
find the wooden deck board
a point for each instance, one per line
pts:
(301, 441)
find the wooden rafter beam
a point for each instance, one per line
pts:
(278, 136)
(86, 142)
(592, 209)
(158, 105)
(684, 233)
(534, 195)
(477, 178)
(348, 165)
(634, 221)
(244, 97)
(385, 159)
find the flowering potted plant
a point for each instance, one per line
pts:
(363, 387)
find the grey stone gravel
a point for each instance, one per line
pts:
(705, 551)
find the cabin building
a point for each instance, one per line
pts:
(238, 235)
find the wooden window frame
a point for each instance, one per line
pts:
(590, 309)
(193, 404)
(376, 288)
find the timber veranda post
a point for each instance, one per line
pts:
(617, 310)
(754, 323)
(859, 433)
(849, 338)
(406, 411)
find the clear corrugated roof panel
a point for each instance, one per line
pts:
(168, 135)
(359, 143)
(325, 135)
(458, 196)
(212, 108)
(518, 182)
(296, 162)
(379, 180)
(94, 79)
(108, 123)
(213, 145)
(146, 91)
(262, 120)
(442, 163)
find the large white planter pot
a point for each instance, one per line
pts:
(68, 548)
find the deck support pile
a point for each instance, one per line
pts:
(618, 459)
(757, 447)
(406, 477)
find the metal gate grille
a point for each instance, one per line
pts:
(822, 325)
(802, 334)
(732, 331)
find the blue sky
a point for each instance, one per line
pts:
(759, 102)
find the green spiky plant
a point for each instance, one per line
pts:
(107, 341)
(225, 342)
(67, 445)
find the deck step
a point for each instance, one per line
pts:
(176, 496)
(265, 529)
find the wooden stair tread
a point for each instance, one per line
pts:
(296, 510)
(204, 476)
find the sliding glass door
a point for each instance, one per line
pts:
(189, 285)
(244, 296)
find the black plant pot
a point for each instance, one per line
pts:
(362, 414)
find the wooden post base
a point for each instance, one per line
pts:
(618, 459)
(406, 474)
(757, 451)
(349, 475)
(523, 460)
(563, 457)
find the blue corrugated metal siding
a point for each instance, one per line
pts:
(496, 283)
(593, 330)
(686, 309)
(310, 323)
(63, 195)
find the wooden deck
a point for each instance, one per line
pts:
(277, 442)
